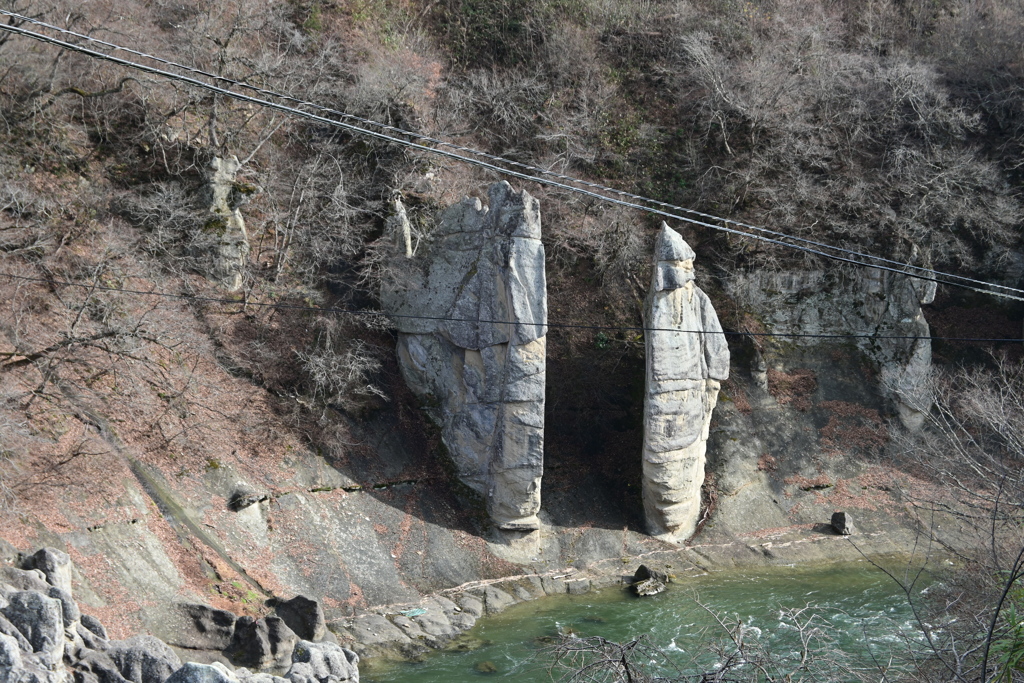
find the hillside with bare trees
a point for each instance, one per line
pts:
(192, 356)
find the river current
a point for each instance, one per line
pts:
(859, 607)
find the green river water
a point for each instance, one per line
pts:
(866, 610)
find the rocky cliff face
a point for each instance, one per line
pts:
(473, 326)
(687, 357)
(862, 301)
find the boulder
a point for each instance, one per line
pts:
(687, 358)
(143, 659)
(190, 672)
(647, 581)
(8, 553)
(497, 600)
(9, 629)
(435, 623)
(472, 318)
(94, 625)
(10, 653)
(95, 667)
(262, 643)
(409, 627)
(90, 640)
(24, 579)
(243, 497)
(204, 627)
(69, 609)
(303, 615)
(245, 676)
(842, 523)
(40, 620)
(374, 629)
(55, 566)
(471, 605)
(323, 662)
(33, 670)
(461, 621)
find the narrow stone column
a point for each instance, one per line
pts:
(475, 351)
(687, 357)
(225, 229)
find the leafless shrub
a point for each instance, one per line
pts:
(612, 238)
(858, 147)
(313, 220)
(166, 211)
(729, 652)
(501, 106)
(973, 451)
(338, 367)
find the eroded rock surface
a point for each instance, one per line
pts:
(477, 353)
(858, 301)
(44, 638)
(225, 229)
(687, 358)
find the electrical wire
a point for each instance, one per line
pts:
(953, 280)
(556, 325)
(485, 155)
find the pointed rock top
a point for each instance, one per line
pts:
(670, 246)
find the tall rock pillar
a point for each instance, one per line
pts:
(687, 357)
(226, 237)
(472, 319)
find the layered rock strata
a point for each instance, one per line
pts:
(881, 309)
(472, 319)
(687, 357)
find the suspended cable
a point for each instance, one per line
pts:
(557, 325)
(485, 155)
(904, 268)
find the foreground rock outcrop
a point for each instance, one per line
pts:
(44, 638)
(472, 323)
(687, 358)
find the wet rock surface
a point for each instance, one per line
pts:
(647, 581)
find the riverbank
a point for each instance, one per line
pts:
(411, 629)
(862, 612)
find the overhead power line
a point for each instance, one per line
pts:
(95, 286)
(484, 155)
(485, 161)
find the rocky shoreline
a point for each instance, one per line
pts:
(45, 638)
(409, 630)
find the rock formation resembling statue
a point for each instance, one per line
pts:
(475, 352)
(687, 357)
(225, 234)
